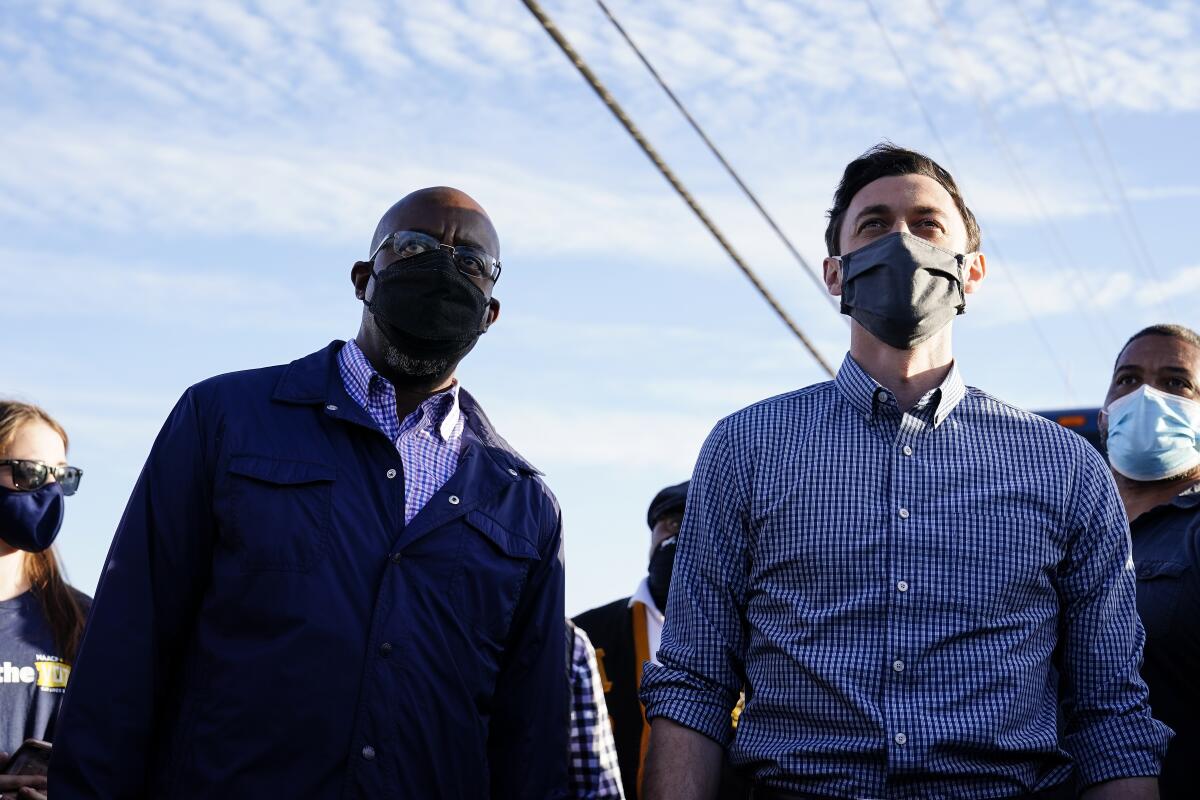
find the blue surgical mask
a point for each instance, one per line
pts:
(1153, 435)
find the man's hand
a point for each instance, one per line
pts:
(681, 764)
(24, 787)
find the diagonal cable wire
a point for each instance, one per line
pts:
(933, 130)
(817, 279)
(1080, 288)
(1145, 261)
(618, 112)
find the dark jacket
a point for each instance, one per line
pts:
(268, 626)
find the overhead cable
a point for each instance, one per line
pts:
(1081, 286)
(812, 272)
(1146, 261)
(933, 130)
(618, 112)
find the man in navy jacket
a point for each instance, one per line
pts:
(334, 579)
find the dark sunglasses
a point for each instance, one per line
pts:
(29, 475)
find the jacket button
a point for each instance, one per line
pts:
(396, 557)
(454, 500)
(391, 473)
(385, 649)
(513, 472)
(331, 407)
(368, 753)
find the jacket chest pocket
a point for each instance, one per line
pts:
(1159, 586)
(275, 513)
(493, 565)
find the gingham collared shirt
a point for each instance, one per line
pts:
(892, 588)
(593, 772)
(429, 439)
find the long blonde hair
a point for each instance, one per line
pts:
(43, 570)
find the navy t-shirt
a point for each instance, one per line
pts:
(1166, 554)
(33, 674)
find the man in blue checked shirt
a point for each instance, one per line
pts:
(924, 592)
(334, 579)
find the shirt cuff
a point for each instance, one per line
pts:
(682, 698)
(1125, 747)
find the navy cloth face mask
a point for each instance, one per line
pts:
(30, 521)
(902, 289)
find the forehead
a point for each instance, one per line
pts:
(903, 192)
(454, 223)
(37, 441)
(1156, 351)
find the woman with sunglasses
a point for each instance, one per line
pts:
(41, 617)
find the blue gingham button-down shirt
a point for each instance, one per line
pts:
(894, 590)
(429, 439)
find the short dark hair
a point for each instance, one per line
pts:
(885, 160)
(1177, 331)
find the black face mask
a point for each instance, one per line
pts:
(662, 564)
(426, 308)
(902, 289)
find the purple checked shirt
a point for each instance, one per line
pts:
(428, 440)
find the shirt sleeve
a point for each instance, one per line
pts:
(144, 607)
(532, 698)
(700, 674)
(1108, 726)
(594, 773)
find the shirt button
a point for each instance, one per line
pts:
(391, 473)
(898, 665)
(454, 500)
(368, 753)
(513, 472)
(902, 586)
(907, 450)
(331, 407)
(385, 649)
(904, 513)
(901, 738)
(396, 557)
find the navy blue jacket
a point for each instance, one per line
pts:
(268, 626)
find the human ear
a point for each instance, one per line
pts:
(832, 267)
(976, 270)
(492, 313)
(360, 276)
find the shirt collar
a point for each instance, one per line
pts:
(865, 394)
(442, 410)
(643, 596)
(1188, 498)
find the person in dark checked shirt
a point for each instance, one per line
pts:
(1151, 422)
(908, 576)
(334, 579)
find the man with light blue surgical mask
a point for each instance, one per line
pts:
(1151, 424)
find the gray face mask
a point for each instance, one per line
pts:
(902, 289)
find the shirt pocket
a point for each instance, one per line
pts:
(277, 513)
(1158, 591)
(494, 563)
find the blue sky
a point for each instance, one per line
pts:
(185, 185)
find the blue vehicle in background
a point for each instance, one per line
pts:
(1084, 421)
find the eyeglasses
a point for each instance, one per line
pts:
(29, 475)
(473, 262)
